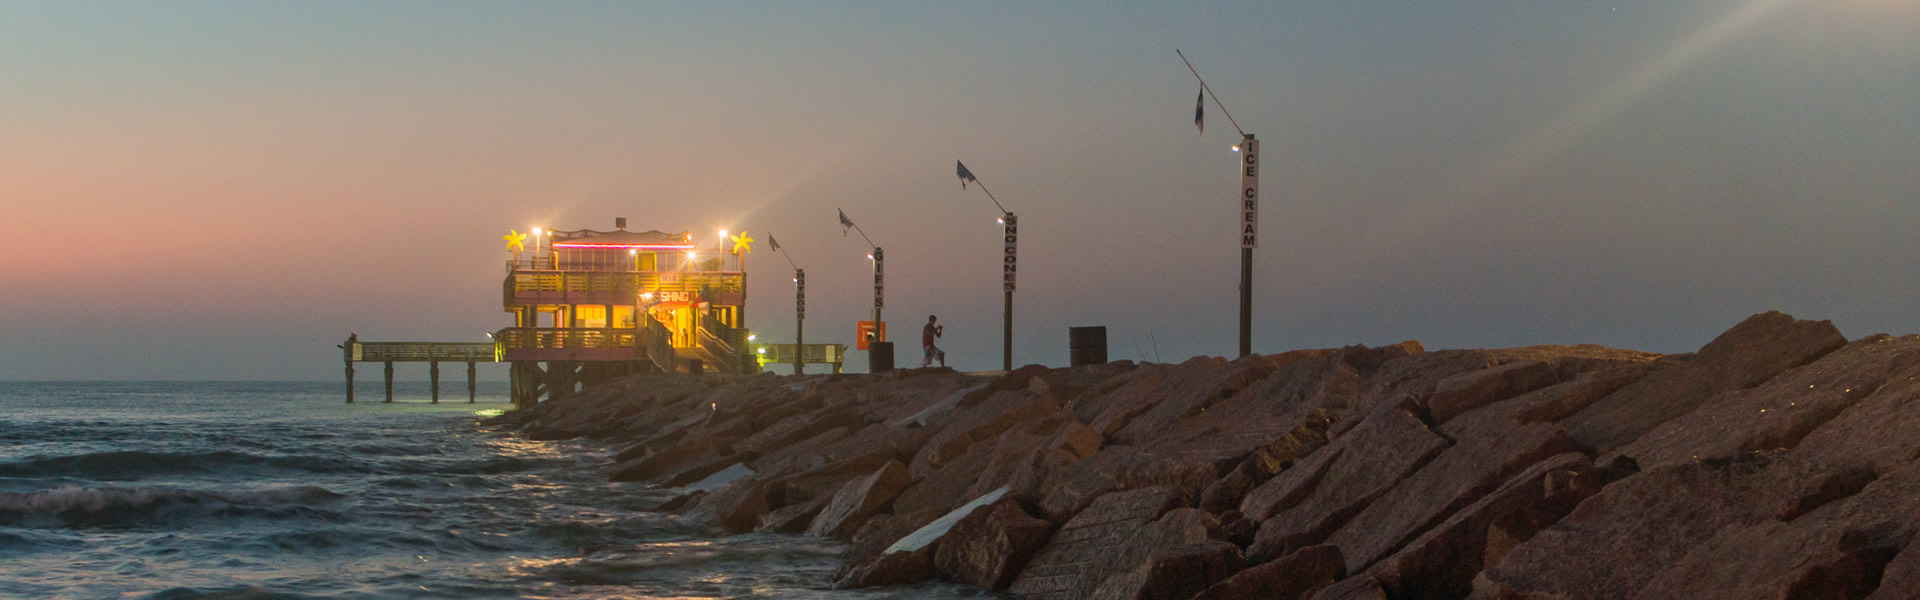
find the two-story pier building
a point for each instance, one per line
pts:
(591, 305)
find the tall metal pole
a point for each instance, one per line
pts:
(799, 319)
(1009, 264)
(879, 271)
(1249, 234)
(1249, 205)
(799, 307)
(1008, 270)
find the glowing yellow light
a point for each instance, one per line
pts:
(536, 231)
(691, 254)
(723, 233)
(751, 337)
(1001, 220)
(647, 296)
(763, 350)
(632, 252)
(869, 257)
(1236, 147)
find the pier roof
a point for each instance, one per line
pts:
(621, 239)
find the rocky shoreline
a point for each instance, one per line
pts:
(1778, 461)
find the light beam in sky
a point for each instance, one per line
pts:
(1522, 156)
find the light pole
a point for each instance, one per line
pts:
(1247, 205)
(799, 306)
(1008, 264)
(878, 258)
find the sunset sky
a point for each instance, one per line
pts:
(223, 190)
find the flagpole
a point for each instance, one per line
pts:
(1249, 202)
(856, 227)
(1216, 97)
(1007, 268)
(879, 274)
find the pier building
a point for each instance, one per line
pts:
(590, 305)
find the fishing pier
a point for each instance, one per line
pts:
(588, 306)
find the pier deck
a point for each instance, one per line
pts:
(432, 353)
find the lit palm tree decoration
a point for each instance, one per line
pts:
(516, 241)
(741, 248)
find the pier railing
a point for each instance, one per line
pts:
(659, 342)
(581, 282)
(812, 354)
(422, 352)
(519, 338)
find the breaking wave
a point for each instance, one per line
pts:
(75, 507)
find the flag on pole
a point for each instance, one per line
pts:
(845, 223)
(965, 175)
(775, 244)
(1200, 110)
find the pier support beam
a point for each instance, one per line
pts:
(389, 382)
(470, 382)
(349, 382)
(433, 371)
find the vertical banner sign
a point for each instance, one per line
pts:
(1250, 193)
(1008, 262)
(800, 294)
(879, 279)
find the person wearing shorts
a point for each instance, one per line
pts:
(926, 342)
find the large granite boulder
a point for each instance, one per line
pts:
(1877, 431)
(1456, 478)
(1467, 391)
(1111, 535)
(1415, 376)
(1354, 588)
(1545, 405)
(798, 427)
(1174, 573)
(1306, 503)
(1780, 412)
(1442, 562)
(859, 499)
(899, 568)
(1747, 355)
(1900, 580)
(1840, 549)
(1289, 577)
(699, 448)
(1571, 361)
(1194, 394)
(989, 545)
(1126, 395)
(1000, 412)
(737, 507)
(1613, 543)
(1259, 467)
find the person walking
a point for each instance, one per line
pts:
(926, 342)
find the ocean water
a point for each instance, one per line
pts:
(281, 490)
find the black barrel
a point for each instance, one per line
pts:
(1088, 345)
(879, 357)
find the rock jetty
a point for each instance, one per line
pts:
(1779, 461)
